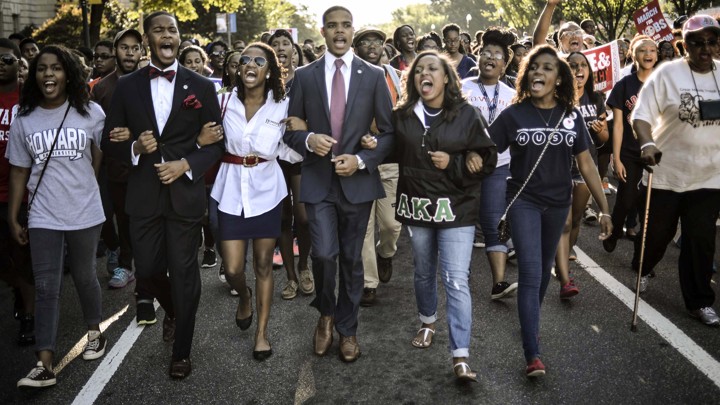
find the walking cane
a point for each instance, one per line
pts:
(633, 327)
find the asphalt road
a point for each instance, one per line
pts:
(587, 346)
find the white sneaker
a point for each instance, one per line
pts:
(94, 349)
(706, 315)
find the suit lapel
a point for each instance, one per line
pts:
(357, 74)
(181, 89)
(319, 73)
(145, 94)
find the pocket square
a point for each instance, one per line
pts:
(191, 103)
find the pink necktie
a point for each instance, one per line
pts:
(337, 105)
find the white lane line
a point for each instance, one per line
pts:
(306, 384)
(112, 360)
(676, 337)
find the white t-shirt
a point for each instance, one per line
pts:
(476, 98)
(254, 190)
(690, 146)
(68, 198)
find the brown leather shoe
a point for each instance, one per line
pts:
(349, 349)
(323, 335)
(180, 368)
(368, 297)
(168, 329)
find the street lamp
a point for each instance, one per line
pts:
(467, 21)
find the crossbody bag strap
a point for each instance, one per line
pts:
(532, 171)
(47, 160)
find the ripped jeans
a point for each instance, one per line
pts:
(452, 249)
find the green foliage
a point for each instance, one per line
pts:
(66, 27)
(676, 8)
(421, 17)
(612, 17)
(510, 13)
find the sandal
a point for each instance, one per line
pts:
(464, 373)
(426, 341)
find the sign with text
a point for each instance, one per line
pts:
(293, 32)
(650, 21)
(605, 65)
(221, 23)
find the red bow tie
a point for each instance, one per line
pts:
(155, 72)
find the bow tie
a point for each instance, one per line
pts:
(155, 72)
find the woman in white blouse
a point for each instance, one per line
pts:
(250, 186)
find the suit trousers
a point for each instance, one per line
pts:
(382, 214)
(337, 228)
(168, 242)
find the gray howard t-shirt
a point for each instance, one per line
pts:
(68, 198)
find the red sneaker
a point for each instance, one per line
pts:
(277, 258)
(568, 291)
(535, 369)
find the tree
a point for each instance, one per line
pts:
(510, 13)
(421, 17)
(613, 17)
(66, 27)
(686, 7)
(456, 11)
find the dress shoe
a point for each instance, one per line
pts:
(349, 349)
(244, 324)
(168, 329)
(384, 267)
(368, 297)
(323, 337)
(180, 368)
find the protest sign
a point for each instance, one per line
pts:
(650, 21)
(605, 65)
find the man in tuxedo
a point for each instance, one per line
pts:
(165, 106)
(339, 95)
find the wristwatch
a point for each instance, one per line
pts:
(361, 164)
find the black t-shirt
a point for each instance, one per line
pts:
(623, 96)
(521, 128)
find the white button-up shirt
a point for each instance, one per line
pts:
(252, 191)
(162, 91)
(330, 72)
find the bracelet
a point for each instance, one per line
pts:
(647, 144)
(602, 214)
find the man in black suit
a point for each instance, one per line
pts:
(339, 95)
(165, 106)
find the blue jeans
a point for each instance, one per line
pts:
(47, 248)
(453, 247)
(536, 232)
(492, 206)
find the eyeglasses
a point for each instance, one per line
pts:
(8, 59)
(367, 42)
(220, 54)
(259, 60)
(490, 55)
(451, 41)
(102, 56)
(576, 33)
(700, 44)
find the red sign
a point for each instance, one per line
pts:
(650, 21)
(605, 65)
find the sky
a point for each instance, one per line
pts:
(365, 12)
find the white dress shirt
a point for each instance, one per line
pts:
(162, 91)
(252, 190)
(330, 72)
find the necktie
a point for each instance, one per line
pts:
(155, 72)
(337, 105)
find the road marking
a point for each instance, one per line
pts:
(112, 360)
(676, 337)
(80, 345)
(306, 384)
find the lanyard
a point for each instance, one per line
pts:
(492, 107)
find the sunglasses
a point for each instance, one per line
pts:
(8, 59)
(700, 44)
(490, 55)
(577, 33)
(220, 54)
(259, 60)
(367, 42)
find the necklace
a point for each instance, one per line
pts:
(546, 121)
(431, 115)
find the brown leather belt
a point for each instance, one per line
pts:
(247, 161)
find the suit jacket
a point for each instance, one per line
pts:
(368, 99)
(132, 107)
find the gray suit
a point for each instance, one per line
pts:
(339, 207)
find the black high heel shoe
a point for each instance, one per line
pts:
(244, 324)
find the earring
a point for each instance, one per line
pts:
(267, 76)
(557, 83)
